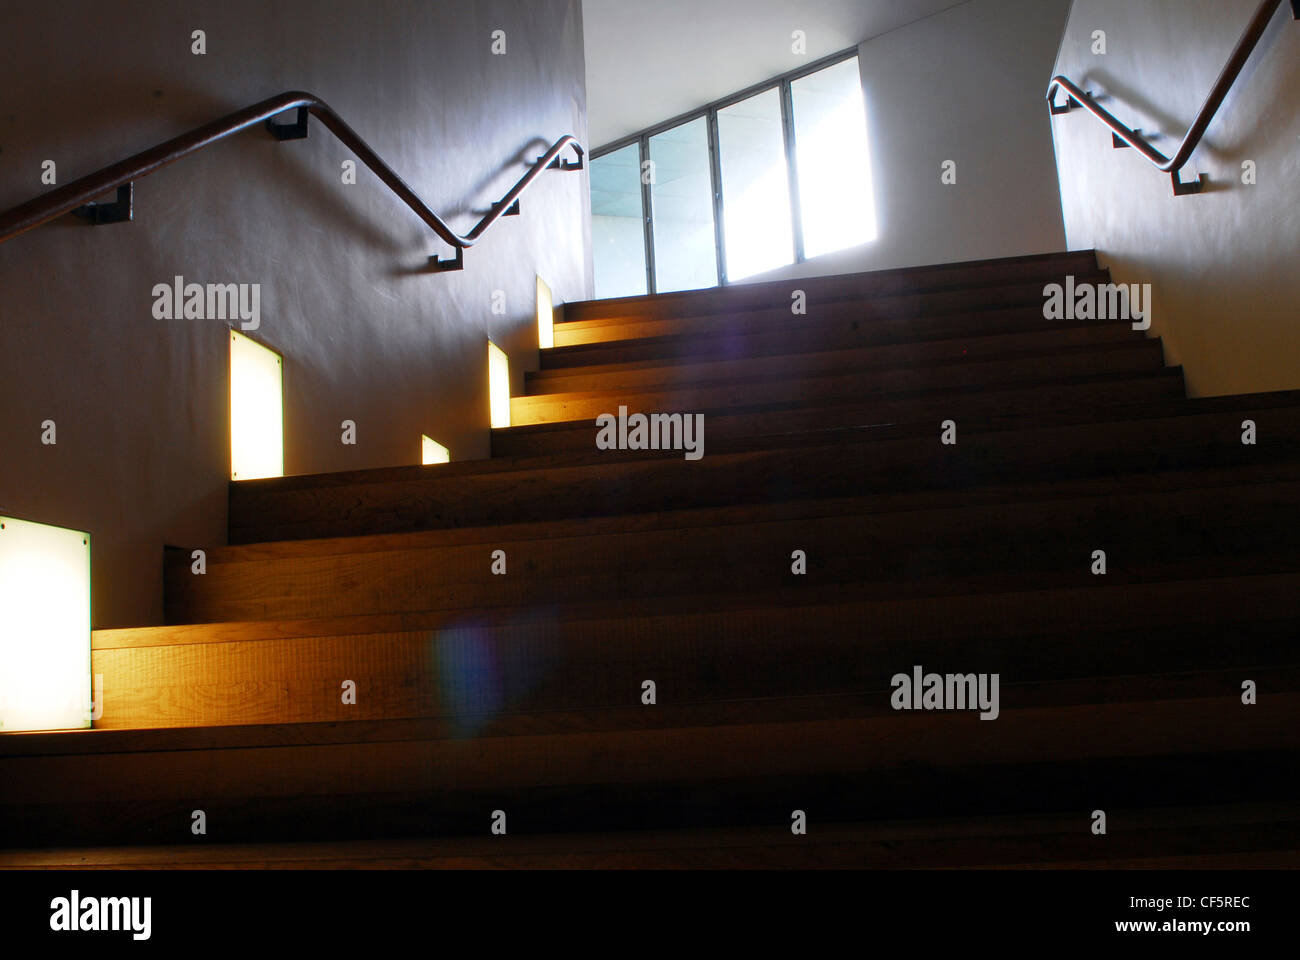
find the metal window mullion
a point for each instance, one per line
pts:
(792, 170)
(715, 178)
(647, 216)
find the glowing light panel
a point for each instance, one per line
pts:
(44, 627)
(498, 385)
(433, 452)
(256, 410)
(545, 316)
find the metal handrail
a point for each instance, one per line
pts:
(1123, 136)
(77, 197)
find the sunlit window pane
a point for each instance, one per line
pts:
(617, 228)
(682, 197)
(836, 196)
(755, 186)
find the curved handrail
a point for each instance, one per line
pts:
(1124, 136)
(78, 194)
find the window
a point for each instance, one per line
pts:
(617, 224)
(836, 205)
(681, 191)
(773, 175)
(757, 234)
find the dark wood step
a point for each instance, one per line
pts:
(1082, 744)
(172, 677)
(840, 287)
(1069, 400)
(1242, 836)
(831, 464)
(870, 553)
(653, 373)
(973, 303)
(1100, 360)
(850, 333)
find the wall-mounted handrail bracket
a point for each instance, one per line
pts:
(1118, 142)
(290, 131)
(558, 164)
(1184, 188)
(1070, 102)
(121, 210)
(1122, 136)
(512, 210)
(440, 265)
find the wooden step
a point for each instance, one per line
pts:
(1073, 400)
(658, 373)
(830, 464)
(1241, 836)
(562, 657)
(811, 336)
(841, 286)
(856, 544)
(960, 305)
(1108, 359)
(1128, 740)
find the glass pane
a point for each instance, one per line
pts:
(836, 198)
(617, 230)
(682, 195)
(755, 186)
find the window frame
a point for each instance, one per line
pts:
(710, 113)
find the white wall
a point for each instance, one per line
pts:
(142, 404)
(967, 85)
(1222, 264)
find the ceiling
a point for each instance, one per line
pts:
(647, 62)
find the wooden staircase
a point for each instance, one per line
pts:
(522, 692)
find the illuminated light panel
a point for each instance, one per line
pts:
(431, 451)
(498, 385)
(545, 316)
(256, 410)
(44, 627)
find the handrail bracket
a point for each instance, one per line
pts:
(121, 210)
(1184, 188)
(290, 131)
(439, 265)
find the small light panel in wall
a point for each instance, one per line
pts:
(431, 451)
(44, 627)
(545, 316)
(256, 410)
(499, 385)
